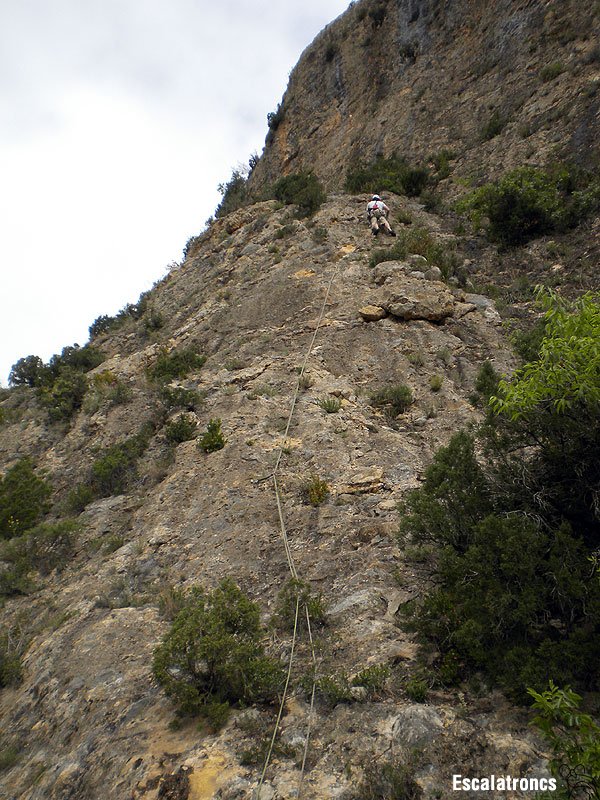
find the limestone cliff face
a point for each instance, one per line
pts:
(88, 720)
(418, 76)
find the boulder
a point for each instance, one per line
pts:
(418, 300)
(372, 313)
(416, 726)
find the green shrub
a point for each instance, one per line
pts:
(74, 357)
(417, 690)
(153, 320)
(315, 491)
(61, 383)
(514, 532)
(130, 311)
(274, 118)
(387, 174)
(15, 580)
(169, 366)
(552, 71)
(178, 397)
(377, 14)
(333, 689)
(575, 741)
(529, 202)
(28, 371)
(212, 439)
(527, 342)
(393, 400)
(441, 162)
(331, 51)
(23, 499)
(65, 395)
(299, 591)
(302, 189)
(100, 325)
(181, 429)
(436, 382)
(284, 231)
(372, 679)
(330, 405)
(213, 652)
(420, 242)
(112, 471)
(79, 497)
(486, 384)
(44, 548)
(234, 193)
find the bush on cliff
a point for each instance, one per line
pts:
(513, 532)
(387, 174)
(302, 189)
(23, 499)
(529, 202)
(61, 383)
(213, 654)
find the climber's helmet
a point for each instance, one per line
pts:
(376, 197)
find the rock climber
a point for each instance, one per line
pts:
(377, 212)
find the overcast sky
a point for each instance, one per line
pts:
(118, 119)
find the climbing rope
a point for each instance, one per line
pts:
(294, 573)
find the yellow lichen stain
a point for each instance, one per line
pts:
(304, 273)
(347, 249)
(205, 779)
(281, 441)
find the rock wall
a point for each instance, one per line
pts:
(414, 77)
(88, 718)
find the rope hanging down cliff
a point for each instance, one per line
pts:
(293, 571)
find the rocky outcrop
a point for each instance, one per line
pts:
(89, 720)
(495, 84)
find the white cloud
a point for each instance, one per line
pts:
(117, 122)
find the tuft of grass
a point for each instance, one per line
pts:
(494, 126)
(372, 679)
(315, 490)
(9, 755)
(435, 383)
(305, 382)
(552, 71)
(298, 590)
(417, 690)
(331, 405)
(393, 400)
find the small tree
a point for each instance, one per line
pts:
(28, 371)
